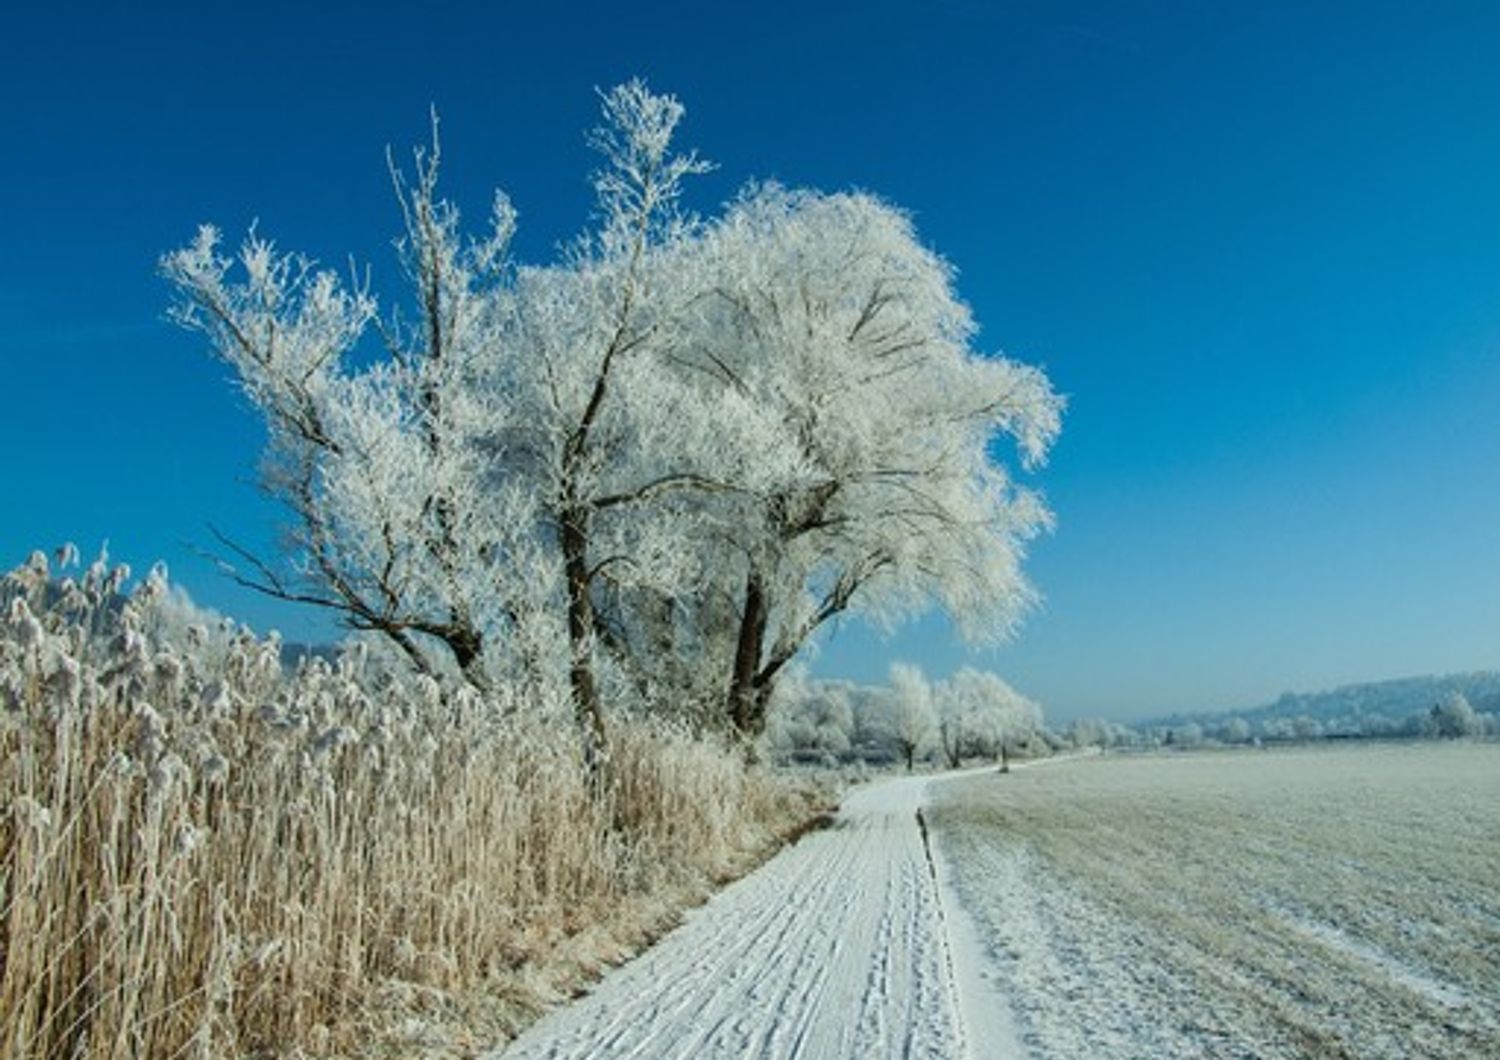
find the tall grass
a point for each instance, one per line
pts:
(203, 856)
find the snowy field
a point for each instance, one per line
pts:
(1336, 902)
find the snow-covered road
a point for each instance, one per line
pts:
(847, 944)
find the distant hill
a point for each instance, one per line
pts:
(1395, 699)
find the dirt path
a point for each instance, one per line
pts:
(845, 945)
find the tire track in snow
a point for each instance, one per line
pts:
(837, 947)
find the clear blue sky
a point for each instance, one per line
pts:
(1258, 245)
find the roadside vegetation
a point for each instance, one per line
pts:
(205, 855)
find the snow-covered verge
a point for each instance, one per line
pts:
(1318, 903)
(204, 856)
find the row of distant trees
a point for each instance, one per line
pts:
(1450, 716)
(977, 716)
(973, 715)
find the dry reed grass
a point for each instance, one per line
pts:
(201, 856)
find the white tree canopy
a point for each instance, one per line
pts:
(981, 714)
(661, 462)
(911, 720)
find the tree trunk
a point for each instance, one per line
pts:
(587, 708)
(952, 749)
(467, 646)
(747, 693)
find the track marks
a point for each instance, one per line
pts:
(835, 948)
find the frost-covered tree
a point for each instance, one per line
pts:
(1007, 721)
(980, 714)
(811, 718)
(655, 467)
(594, 421)
(885, 494)
(456, 490)
(376, 466)
(1235, 730)
(954, 724)
(1098, 732)
(1453, 717)
(910, 720)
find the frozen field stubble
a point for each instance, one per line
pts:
(1317, 902)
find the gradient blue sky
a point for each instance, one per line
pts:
(1258, 245)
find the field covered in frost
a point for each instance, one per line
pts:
(1320, 902)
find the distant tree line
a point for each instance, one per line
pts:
(972, 716)
(1449, 715)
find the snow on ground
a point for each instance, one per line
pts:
(838, 947)
(1269, 905)
(1314, 903)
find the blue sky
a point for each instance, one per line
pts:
(1257, 245)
